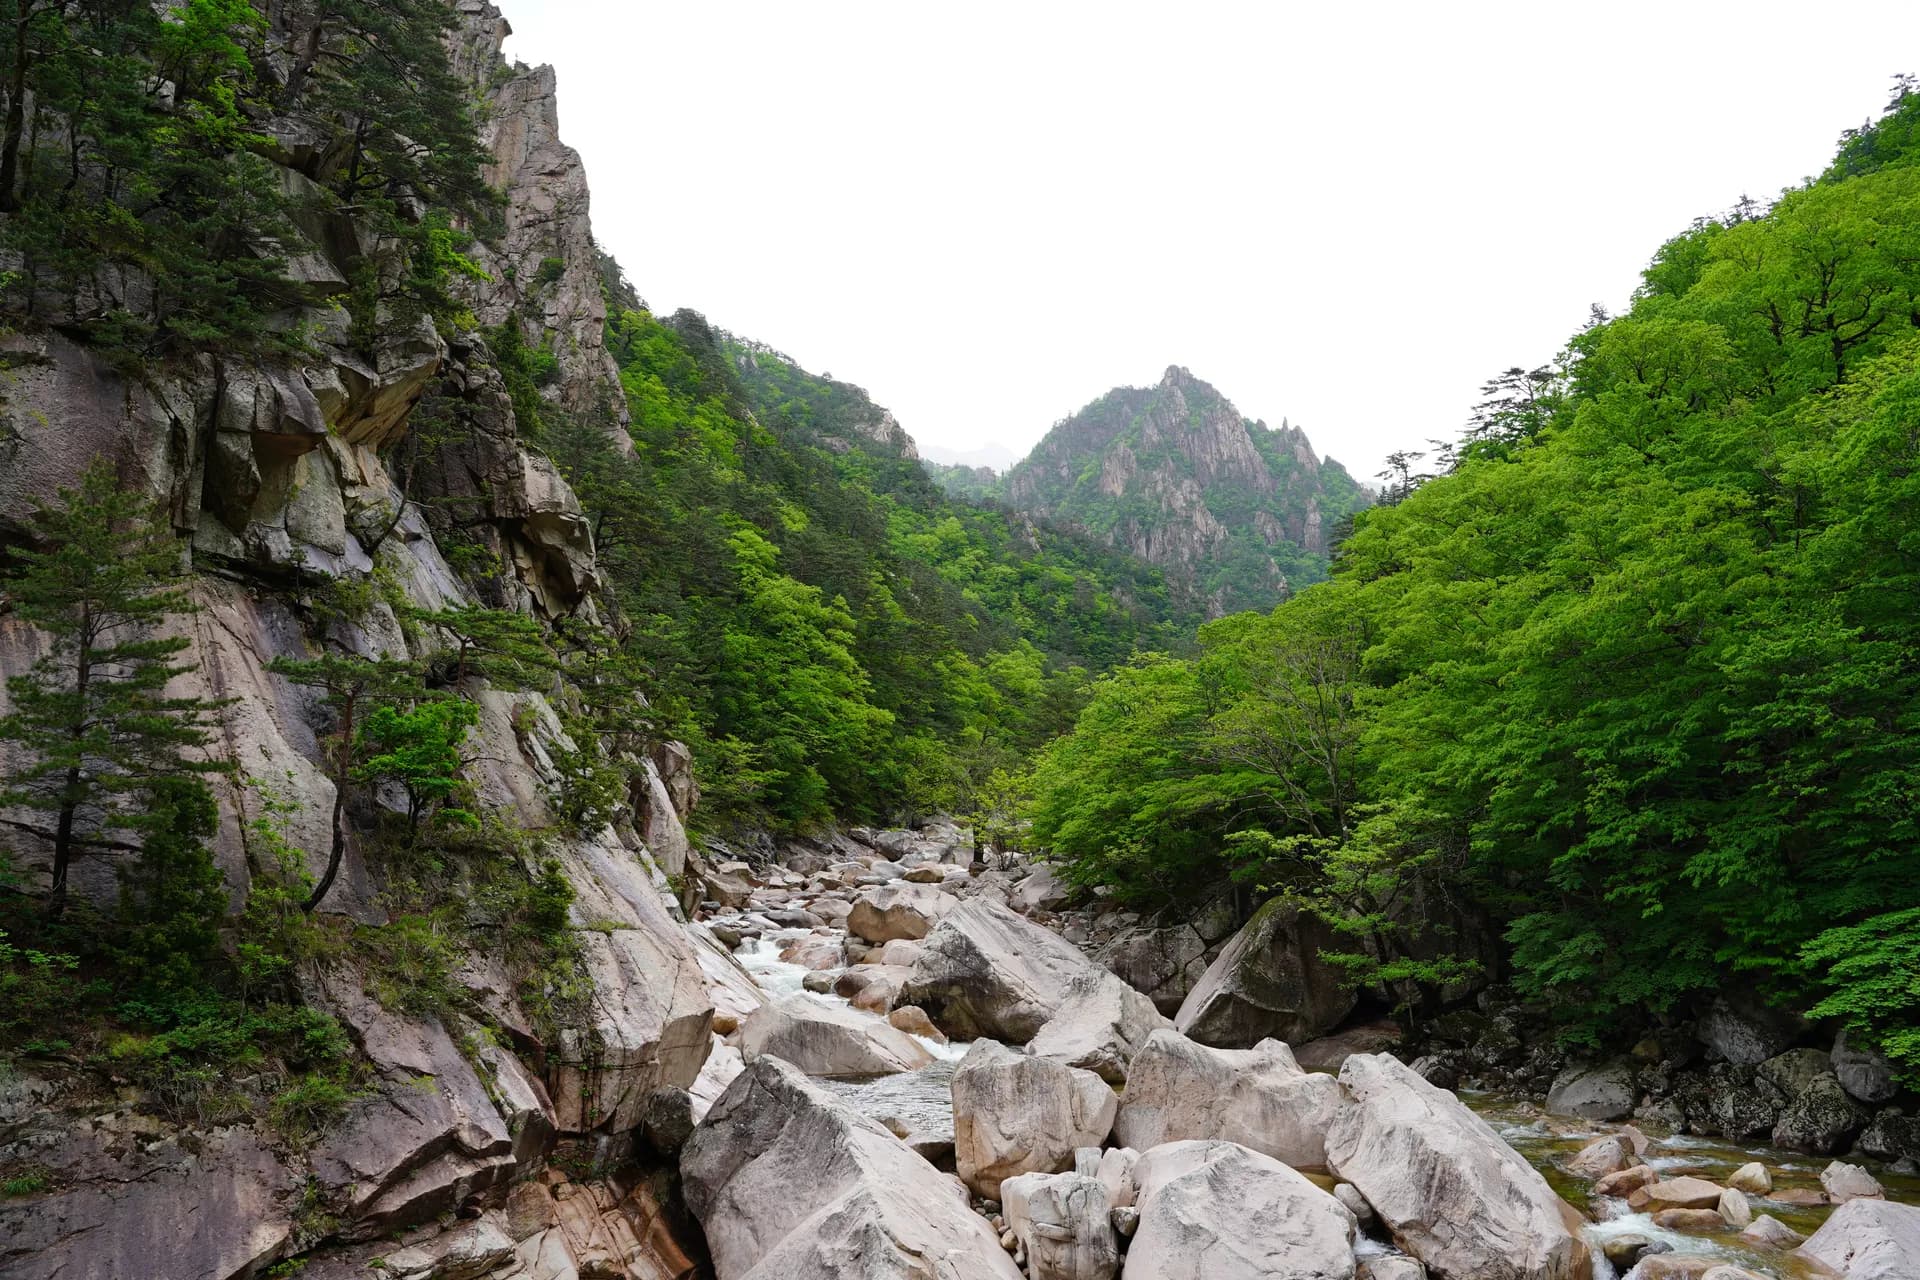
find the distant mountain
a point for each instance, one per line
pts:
(988, 457)
(1236, 513)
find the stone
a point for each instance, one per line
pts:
(1689, 1220)
(914, 1021)
(1100, 1025)
(1269, 983)
(1844, 1182)
(1258, 1097)
(1603, 1092)
(1868, 1240)
(1627, 1180)
(900, 953)
(1676, 1193)
(828, 1041)
(1673, 1266)
(1599, 1158)
(1015, 1114)
(1161, 963)
(1624, 1251)
(1752, 1178)
(891, 911)
(1389, 1266)
(1449, 1190)
(1064, 1225)
(1892, 1136)
(792, 1183)
(1770, 1233)
(1329, 1053)
(986, 972)
(1115, 1172)
(1744, 1037)
(1822, 1119)
(1219, 1211)
(1734, 1208)
(1349, 1195)
(723, 1064)
(1727, 1271)
(1790, 1074)
(1866, 1075)
(815, 951)
(1040, 890)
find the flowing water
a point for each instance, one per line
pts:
(920, 1104)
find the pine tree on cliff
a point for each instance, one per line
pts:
(91, 721)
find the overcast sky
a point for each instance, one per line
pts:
(1347, 215)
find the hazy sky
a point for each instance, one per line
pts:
(1348, 215)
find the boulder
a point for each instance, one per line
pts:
(828, 1040)
(1727, 1271)
(1041, 890)
(1269, 982)
(915, 1022)
(1676, 1193)
(1599, 1158)
(1769, 1232)
(1602, 1092)
(1063, 1224)
(1822, 1119)
(791, 1183)
(1219, 1211)
(1892, 1136)
(1745, 1037)
(1695, 1220)
(1844, 1182)
(1115, 1172)
(1734, 1208)
(1867, 1076)
(1099, 1027)
(898, 910)
(1624, 1251)
(1868, 1240)
(1674, 1266)
(1448, 1189)
(1349, 1195)
(1015, 1114)
(1790, 1074)
(986, 972)
(1259, 1097)
(1627, 1180)
(1752, 1178)
(1329, 1053)
(1161, 963)
(1389, 1266)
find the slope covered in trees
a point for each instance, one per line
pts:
(1634, 683)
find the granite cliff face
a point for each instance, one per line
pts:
(285, 476)
(1237, 513)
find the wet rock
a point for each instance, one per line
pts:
(915, 1022)
(1063, 1223)
(1099, 1027)
(791, 1182)
(1624, 1251)
(1268, 983)
(1734, 1208)
(1695, 1220)
(1674, 1266)
(1218, 1211)
(1627, 1181)
(1390, 1266)
(1259, 1097)
(1676, 1193)
(1603, 1092)
(1449, 1190)
(1868, 1240)
(1599, 1158)
(1769, 1232)
(828, 1040)
(1752, 1178)
(902, 910)
(1015, 1114)
(1844, 1182)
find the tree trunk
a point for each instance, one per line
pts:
(63, 848)
(342, 770)
(16, 105)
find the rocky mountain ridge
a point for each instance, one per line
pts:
(1237, 513)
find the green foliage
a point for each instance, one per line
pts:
(91, 720)
(173, 899)
(419, 749)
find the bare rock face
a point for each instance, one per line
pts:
(1269, 983)
(793, 1184)
(986, 971)
(1016, 1114)
(1868, 1240)
(1063, 1222)
(1164, 963)
(829, 1041)
(1218, 1211)
(887, 912)
(1099, 1027)
(1448, 1189)
(1258, 1097)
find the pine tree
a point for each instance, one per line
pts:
(172, 896)
(92, 717)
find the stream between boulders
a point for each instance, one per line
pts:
(789, 958)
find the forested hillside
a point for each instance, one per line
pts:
(1634, 687)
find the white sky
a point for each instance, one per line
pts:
(1348, 215)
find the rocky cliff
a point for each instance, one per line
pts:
(1235, 512)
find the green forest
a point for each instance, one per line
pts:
(1632, 685)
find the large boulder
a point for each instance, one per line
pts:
(1259, 1097)
(1868, 1240)
(1822, 1119)
(1063, 1222)
(987, 972)
(1041, 890)
(1218, 1211)
(1448, 1189)
(898, 910)
(1866, 1075)
(1164, 964)
(829, 1040)
(1744, 1036)
(1602, 1092)
(1269, 983)
(1014, 1114)
(1100, 1027)
(791, 1183)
